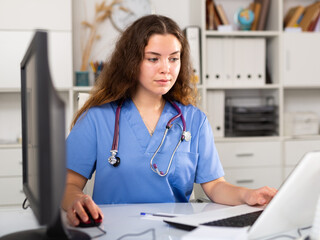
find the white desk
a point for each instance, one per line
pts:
(119, 220)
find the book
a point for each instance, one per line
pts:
(222, 15)
(256, 11)
(264, 12)
(295, 14)
(314, 21)
(210, 15)
(216, 18)
(310, 15)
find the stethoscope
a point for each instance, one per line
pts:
(185, 136)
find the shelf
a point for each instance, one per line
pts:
(212, 33)
(248, 139)
(10, 90)
(10, 145)
(267, 86)
(302, 137)
(84, 89)
(301, 86)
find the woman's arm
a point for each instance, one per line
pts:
(220, 191)
(75, 200)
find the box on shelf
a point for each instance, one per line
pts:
(301, 123)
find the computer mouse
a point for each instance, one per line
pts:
(91, 221)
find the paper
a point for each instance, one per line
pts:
(217, 233)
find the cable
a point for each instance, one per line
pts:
(291, 237)
(100, 235)
(301, 229)
(24, 206)
(281, 236)
(139, 234)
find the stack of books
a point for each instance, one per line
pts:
(306, 18)
(216, 15)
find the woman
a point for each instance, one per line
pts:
(149, 75)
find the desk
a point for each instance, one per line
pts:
(119, 220)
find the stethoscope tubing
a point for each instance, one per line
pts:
(115, 161)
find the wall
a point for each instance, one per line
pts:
(184, 12)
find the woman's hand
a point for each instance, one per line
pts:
(78, 208)
(260, 196)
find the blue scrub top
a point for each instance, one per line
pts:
(90, 141)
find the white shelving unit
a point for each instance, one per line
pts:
(15, 36)
(292, 60)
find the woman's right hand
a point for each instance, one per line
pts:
(78, 209)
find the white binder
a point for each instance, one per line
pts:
(236, 62)
(215, 99)
(219, 62)
(249, 61)
(193, 35)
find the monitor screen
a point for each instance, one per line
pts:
(43, 145)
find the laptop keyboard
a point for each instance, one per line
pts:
(237, 221)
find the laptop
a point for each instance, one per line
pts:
(292, 207)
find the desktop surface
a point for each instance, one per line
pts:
(119, 220)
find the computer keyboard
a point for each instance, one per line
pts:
(237, 221)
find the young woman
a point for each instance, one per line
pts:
(146, 84)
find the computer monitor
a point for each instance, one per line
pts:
(43, 145)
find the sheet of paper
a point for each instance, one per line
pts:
(217, 233)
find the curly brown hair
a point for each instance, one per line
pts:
(120, 75)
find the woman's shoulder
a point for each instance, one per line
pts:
(191, 109)
(110, 106)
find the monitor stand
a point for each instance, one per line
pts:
(56, 231)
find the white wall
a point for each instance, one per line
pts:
(184, 12)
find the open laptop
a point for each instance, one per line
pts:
(292, 207)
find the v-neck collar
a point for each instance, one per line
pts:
(147, 142)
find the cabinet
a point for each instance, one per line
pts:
(15, 36)
(290, 77)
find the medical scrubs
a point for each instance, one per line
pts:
(90, 141)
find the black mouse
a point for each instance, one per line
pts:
(91, 222)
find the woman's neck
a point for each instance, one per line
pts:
(150, 110)
(149, 103)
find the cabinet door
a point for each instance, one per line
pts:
(35, 14)
(11, 162)
(14, 44)
(301, 59)
(11, 191)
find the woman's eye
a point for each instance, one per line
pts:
(152, 59)
(174, 59)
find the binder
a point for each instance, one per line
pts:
(215, 99)
(193, 34)
(219, 61)
(249, 61)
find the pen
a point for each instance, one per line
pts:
(158, 214)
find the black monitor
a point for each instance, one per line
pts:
(43, 145)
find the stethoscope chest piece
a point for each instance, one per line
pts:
(113, 160)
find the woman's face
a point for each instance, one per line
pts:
(161, 65)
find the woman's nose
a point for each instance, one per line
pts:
(165, 66)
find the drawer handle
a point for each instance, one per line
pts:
(245, 181)
(244, 154)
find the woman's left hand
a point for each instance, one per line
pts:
(260, 196)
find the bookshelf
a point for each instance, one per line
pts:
(291, 59)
